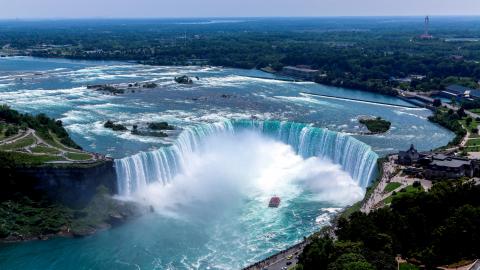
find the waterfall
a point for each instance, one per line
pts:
(355, 157)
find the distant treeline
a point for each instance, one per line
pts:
(367, 54)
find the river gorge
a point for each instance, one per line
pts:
(240, 137)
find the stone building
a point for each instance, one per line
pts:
(448, 167)
(437, 165)
(409, 157)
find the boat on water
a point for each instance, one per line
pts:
(274, 201)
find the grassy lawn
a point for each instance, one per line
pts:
(78, 156)
(352, 209)
(407, 266)
(23, 158)
(475, 110)
(472, 125)
(45, 150)
(29, 140)
(406, 190)
(55, 142)
(391, 187)
(473, 142)
(472, 149)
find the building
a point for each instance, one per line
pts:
(448, 167)
(409, 157)
(302, 72)
(460, 92)
(437, 165)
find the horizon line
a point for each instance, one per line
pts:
(231, 17)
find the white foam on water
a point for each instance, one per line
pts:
(405, 112)
(231, 167)
(308, 100)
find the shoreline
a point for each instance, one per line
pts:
(326, 230)
(114, 216)
(301, 244)
(285, 78)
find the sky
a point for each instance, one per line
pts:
(22, 9)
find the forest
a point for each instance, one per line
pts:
(428, 229)
(372, 54)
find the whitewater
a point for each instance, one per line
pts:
(209, 182)
(136, 172)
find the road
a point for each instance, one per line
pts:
(279, 261)
(430, 100)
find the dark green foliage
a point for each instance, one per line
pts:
(41, 123)
(318, 254)
(361, 53)
(325, 253)
(437, 102)
(471, 104)
(449, 120)
(24, 217)
(377, 125)
(11, 130)
(439, 227)
(115, 127)
(160, 126)
(351, 261)
(461, 113)
(27, 218)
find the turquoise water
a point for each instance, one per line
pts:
(211, 215)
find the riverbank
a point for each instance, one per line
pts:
(38, 218)
(52, 188)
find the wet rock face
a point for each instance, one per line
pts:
(72, 186)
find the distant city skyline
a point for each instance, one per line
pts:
(38, 9)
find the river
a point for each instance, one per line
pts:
(210, 192)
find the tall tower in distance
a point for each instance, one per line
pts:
(426, 34)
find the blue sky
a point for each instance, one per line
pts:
(231, 8)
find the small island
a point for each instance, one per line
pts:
(107, 89)
(115, 127)
(183, 80)
(154, 129)
(160, 126)
(121, 88)
(150, 85)
(376, 125)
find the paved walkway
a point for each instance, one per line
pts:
(62, 151)
(377, 195)
(280, 260)
(17, 137)
(389, 169)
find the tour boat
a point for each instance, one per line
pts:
(274, 202)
